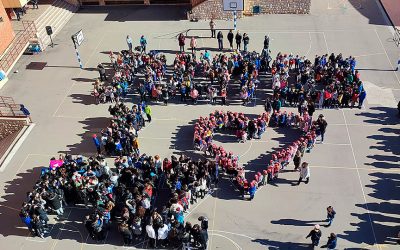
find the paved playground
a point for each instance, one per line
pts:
(356, 170)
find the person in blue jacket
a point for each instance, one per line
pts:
(332, 242)
(97, 143)
(252, 190)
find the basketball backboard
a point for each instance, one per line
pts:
(232, 5)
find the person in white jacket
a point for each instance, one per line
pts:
(304, 173)
(152, 235)
(162, 235)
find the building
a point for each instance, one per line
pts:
(6, 30)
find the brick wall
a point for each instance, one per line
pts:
(6, 31)
(214, 8)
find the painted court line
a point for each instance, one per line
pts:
(232, 241)
(326, 43)
(361, 184)
(80, 73)
(387, 56)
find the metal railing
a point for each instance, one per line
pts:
(188, 30)
(8, 108)
(396, 37)
(17, 45)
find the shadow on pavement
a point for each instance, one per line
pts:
(139, 12)
(86, 146)
(383, 212)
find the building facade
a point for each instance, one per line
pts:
(6, 30)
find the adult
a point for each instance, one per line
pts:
(330, 215)
(297, 160)
(304, 173)
(193, 45)
(246, 40)
(238, 38)
(143, 43)
(310, 108)
(212, 28)
(321, 127)
(266, 42)
(102, 72)
(315, 235)
(230, 37)
(220, 38)
(181, 42)
(129, 42)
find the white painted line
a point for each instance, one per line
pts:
(387, 56)
(251, 145)
(214, 212)
(80, 73)
(242, 235)
(309, 49)
(16, 147)
(372, 54)
(198, 204)
(232, 241)
(326, 43)
(361, 184)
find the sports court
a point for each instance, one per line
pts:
(355, 170)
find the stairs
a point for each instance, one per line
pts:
(55, 16)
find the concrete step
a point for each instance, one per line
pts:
(62, 21)
(55, 6)
(52, 13)
(56, 17)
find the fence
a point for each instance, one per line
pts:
(396, 36)
(8, 108)
(17, 45)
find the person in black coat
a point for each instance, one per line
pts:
(220, 38)
(238, 39)
(315, 235)
(55, 202)
(310, 108)
(266, 42)
(230, 39)
(321, 126)
(126, 233)
(41, 213)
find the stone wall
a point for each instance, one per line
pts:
(214, 8)
(279, 6)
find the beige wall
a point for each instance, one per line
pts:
(6, 31)
(14, 3)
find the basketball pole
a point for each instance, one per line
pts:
(234, 20)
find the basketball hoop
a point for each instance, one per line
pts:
(235, 6)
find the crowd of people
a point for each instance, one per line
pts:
(244, 129)
(328, 82)
(125, 195)
(129, 194)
